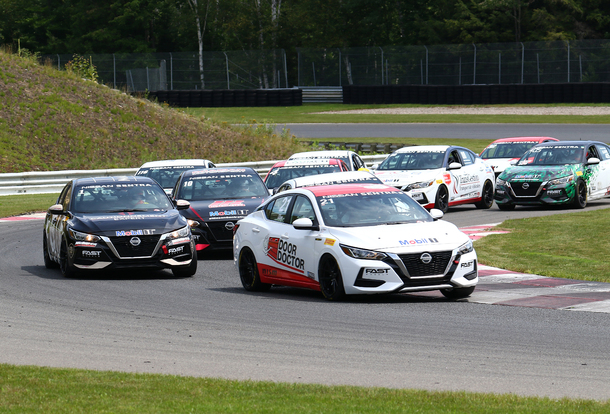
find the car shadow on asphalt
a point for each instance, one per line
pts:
(115, 274)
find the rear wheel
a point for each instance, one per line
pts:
(487, 198)
(580, 198)
(65, 263)
(331, 282)
(457, 293)
(48, 262)
(248, 272)
(442, 199)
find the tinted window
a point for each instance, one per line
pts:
(604, 152)
(221, 186)
(278, 209)
(302, 209)
(507, 149)
(553, 155)
(280, 175)
(467, 157)
(117, 197)
(413, 160)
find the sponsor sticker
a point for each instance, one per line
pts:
(285, 253)
(417, 241)
(91, 253)
(329, 242)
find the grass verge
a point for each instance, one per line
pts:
(15, 205)
(25, 389)
(306, 114)
(571, 246)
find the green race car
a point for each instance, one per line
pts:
(556, 173)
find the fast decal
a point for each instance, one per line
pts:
(417, 241)
(91, 253)
(175, 250)
(284, 253)
(370, 272)
(467, 264)
(227, 203)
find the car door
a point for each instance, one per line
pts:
(469, 178)
(600, 185)
(56, 223)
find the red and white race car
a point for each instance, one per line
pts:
(502, 151)
(352, 239)
(440, 176)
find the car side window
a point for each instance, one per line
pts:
(453, 157)
(65, 200)
(467, 157)
(277, 209)
(283, 187)
(592, 152)
(358, 163)
(302, 209)
(604, 152)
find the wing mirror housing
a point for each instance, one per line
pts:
(182, 205)
(436, 214)
(454, 166)
(56, 209)
(593, 161)
(304, 224)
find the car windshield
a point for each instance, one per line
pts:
(166, 176)
(115, 197)
(507, 149)
(279, 175)
(222, 186)
(553, 155)
(414, 160)
(371, 209)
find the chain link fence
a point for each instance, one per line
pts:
(250, 69)
(463, 64)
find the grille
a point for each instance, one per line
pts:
(125, 249)
(525, 192)
(219, 231)
(438, 265)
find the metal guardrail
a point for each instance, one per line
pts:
(49, 182)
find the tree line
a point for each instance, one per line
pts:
(142, 26)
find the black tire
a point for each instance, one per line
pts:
(48, 262)
(487, 197)
(457, 293)
(580, 198)
(505, 206)
(441, 201)
(248, 272)
(186, 271)
(65, 264)
(331, 282)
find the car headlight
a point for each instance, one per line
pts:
(562, 180)
(80, 236)
(500, 182)
(466, 247)
(416, 186)
(362, 253)
(177, 234)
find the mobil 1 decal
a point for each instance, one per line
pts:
(284, 253)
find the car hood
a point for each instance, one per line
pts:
(401, 178)
(222, 210)
(137, 223)
(538, 173)
(402, 238)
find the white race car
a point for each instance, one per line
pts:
(352, 239)
(440, 176)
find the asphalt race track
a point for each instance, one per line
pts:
(563, 132)
(208, 325)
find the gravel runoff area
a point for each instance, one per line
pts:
(482, 110)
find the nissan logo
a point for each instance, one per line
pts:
(135, 241)
(425, 258)
(525, 186)
(229, 225)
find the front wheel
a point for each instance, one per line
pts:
(186, 271)
(457, 293)
(65, 260)
(487, 197)
(442, 199)
(331, 282)
(580, 198)
(248, 272)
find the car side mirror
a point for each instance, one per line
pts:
(182, 205)
(304, 224)
(436, 214)
(454, 166)
(56, 209)
(375, 166)
(514, 162)
(593, 161)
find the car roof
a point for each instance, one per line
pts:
(412, 148)
(349, 189)
(567, 143)
(524, 139)
(167, 163)
(310, 162)
(211, 171)
(331, 177)
(114, 180)
(322, 154)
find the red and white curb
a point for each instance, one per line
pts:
(504, 287)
